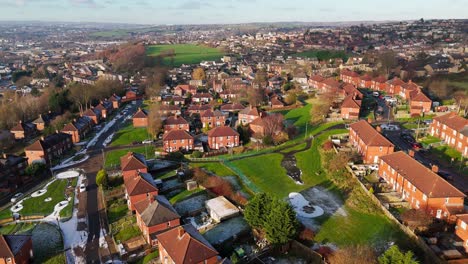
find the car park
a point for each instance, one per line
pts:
(16, 197)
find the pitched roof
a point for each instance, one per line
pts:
(349, 102)
(133, 161)
(141, 184)
(177, 135)
(463, 217)
(222, 132)
(369, 135)
(420, 176)
(211, 113)
(232, 107)
(419, 96)
(10, 245)
(176, 120)
(185, 245)
(453, 121)
(141, 113)
(48, 142)
(156, 212)
(252, 111)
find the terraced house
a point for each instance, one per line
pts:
(420, 186)
(79, 128)
(453, 130)
(138, 188)
(15, 249)
(223, 137)
(176, 140)
(461, 229)
(131, 164)
(369, 142)
(48, 148)
(176, 123)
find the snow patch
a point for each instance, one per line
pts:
(303, 207)
(68, 174)
(39, 193)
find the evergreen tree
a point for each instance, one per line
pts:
(101, 178)
(281, 223)
(256, 211)
(394, 255)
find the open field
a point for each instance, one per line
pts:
(215, 168)
(185, 53)
(128, 134)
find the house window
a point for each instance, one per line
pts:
(417, 204)
(380, 148)
(414, 188)
(8, 260)
(168, 224)
(409, 184)
(424, 197)
(447, 200)
(463, 225)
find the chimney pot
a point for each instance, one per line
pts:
(378, 128)
(411, 153)
(181, 231)
(435, 168)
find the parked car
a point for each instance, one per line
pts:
(428, 121)
(390, 127)
(416, 145)
(82, 187)
(375, 94)
(408, 138)
(147, 141)
(16, 197)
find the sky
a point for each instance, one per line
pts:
(228, 11)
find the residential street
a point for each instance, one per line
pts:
(91, 166)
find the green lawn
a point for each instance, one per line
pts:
(128, 134)
(358, 228)
(116, 209)
(185, 53)
(183, 195)
(17, 229)
(429, 140)
(164, 174)
(47, 244)
(125, 229)
(37, 205)
(149, 257)
(267, 174)
(113, 157)
(215, 168)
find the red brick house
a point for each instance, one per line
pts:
(248, 115)
(379, 84)
(12, 172)
(131, 164)
(48, 148)
(419, 103)
(15, 249)
(176, 140)
(183, 89)
(176, 123)
(23, 130)
(166, 110)
(115, 100)
(185, 245)
(365, 81)
(276, 102)
(368, 142)
(461, 229)
(105, 107)
(94, 114)
(453, 129)
(350, 89)
(202, 98)
(394, 86)
(198, 109)
(315, 81)
(420, 186)
(173, 100)
(79, 128)
(221, 137)
(138, 188)
(140, 118)
(155, 215)
(235, 107)
(350, 108)
(350, 77)
(408, 88)
(212, 119)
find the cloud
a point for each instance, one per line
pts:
(90, 3)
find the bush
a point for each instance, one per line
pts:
(102, 178)
(267, 140)
(197, 154)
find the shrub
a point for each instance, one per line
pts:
(197, 154)
(102, 178)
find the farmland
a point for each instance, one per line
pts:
(184, 53)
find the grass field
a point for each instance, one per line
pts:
(113, 157)
(185, 53)
(128, 134)
(37, 206)
(17, 229)
(215, 168)
(322, 54)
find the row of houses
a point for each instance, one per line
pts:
(158, 220)
(420, 186)
(418, 102)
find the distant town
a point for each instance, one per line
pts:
(242, 143)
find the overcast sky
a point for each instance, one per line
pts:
(228, 11)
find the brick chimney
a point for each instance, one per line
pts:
(411, 153)
(369, 120)
(150, 198)
(379, 129)
(435, 168)
(181, 231)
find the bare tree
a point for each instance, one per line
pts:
(154, 120)
(273, 124)
(256, 96)
(387, 61)
(439, 88)
(199, 74)
(81, 94)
